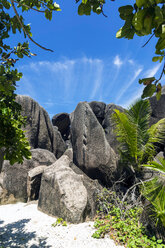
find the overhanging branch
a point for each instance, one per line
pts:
(18, 18)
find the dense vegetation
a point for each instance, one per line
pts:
(133, 197)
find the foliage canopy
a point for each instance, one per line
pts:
(13, 144)
(143, 18)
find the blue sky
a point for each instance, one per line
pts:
(88, 62)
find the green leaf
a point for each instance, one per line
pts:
(119, 33)
(48, 14)
(140, 3)
(81, 9)
(149, 90)
(126, 10)
(156, 58)
(158, 95)
(160, 44)
(146, 81)
(6, 4)
(138, 19)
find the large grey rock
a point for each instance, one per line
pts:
(15, 176)
(62, 192)
(60, 144)
(158, 112)
(92, 186)
(158, 109)
(62, 121)
(34, 182)
(163, 89)
(69, 153)
(91, 151)
(93, 189)
(108, 125)
(6, 198)
(39, 129)
(98, 109)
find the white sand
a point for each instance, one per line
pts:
(22, 225)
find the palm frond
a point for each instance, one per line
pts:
(159, 167)
(153, 191)
(126, 132)
(140, 113)
(157, 132)
(156, 136)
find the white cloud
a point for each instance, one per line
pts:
(117, 61)
(60, 85)
(137, 94)
(131, 61)
(125, 88)
(152, 72)
(98, 77)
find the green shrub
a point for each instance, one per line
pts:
(122, 224)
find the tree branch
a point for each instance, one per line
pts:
(161, 75)
(148, 40)
(126, 194)
(41, 11)
(17, 15)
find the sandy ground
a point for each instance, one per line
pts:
(22, 225)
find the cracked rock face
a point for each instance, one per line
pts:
(91, 150)
(108, 125)
(62, 192)
(39, 129)
(98, 109)
(15, 176)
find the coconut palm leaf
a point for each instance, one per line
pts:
(156, 136)
(140, 114)
(160, 167)
(126, 132)
(154, 191)
(157, 132)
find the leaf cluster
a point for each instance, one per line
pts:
(12, 139)
(13, 142)
(86, 6)
(145, 18)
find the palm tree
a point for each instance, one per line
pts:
(154, 190)
(137, 146)
(137, 141)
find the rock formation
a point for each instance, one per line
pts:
(91, 151)
(62, 121)
(67, 194)
(98, 109)
(108, 125)
(39, 129)
(67, 181)
(15, 176)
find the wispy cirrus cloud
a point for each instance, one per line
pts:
(152, 72)
(128, 84)
(59, 85)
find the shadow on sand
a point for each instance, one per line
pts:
(14, 235)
